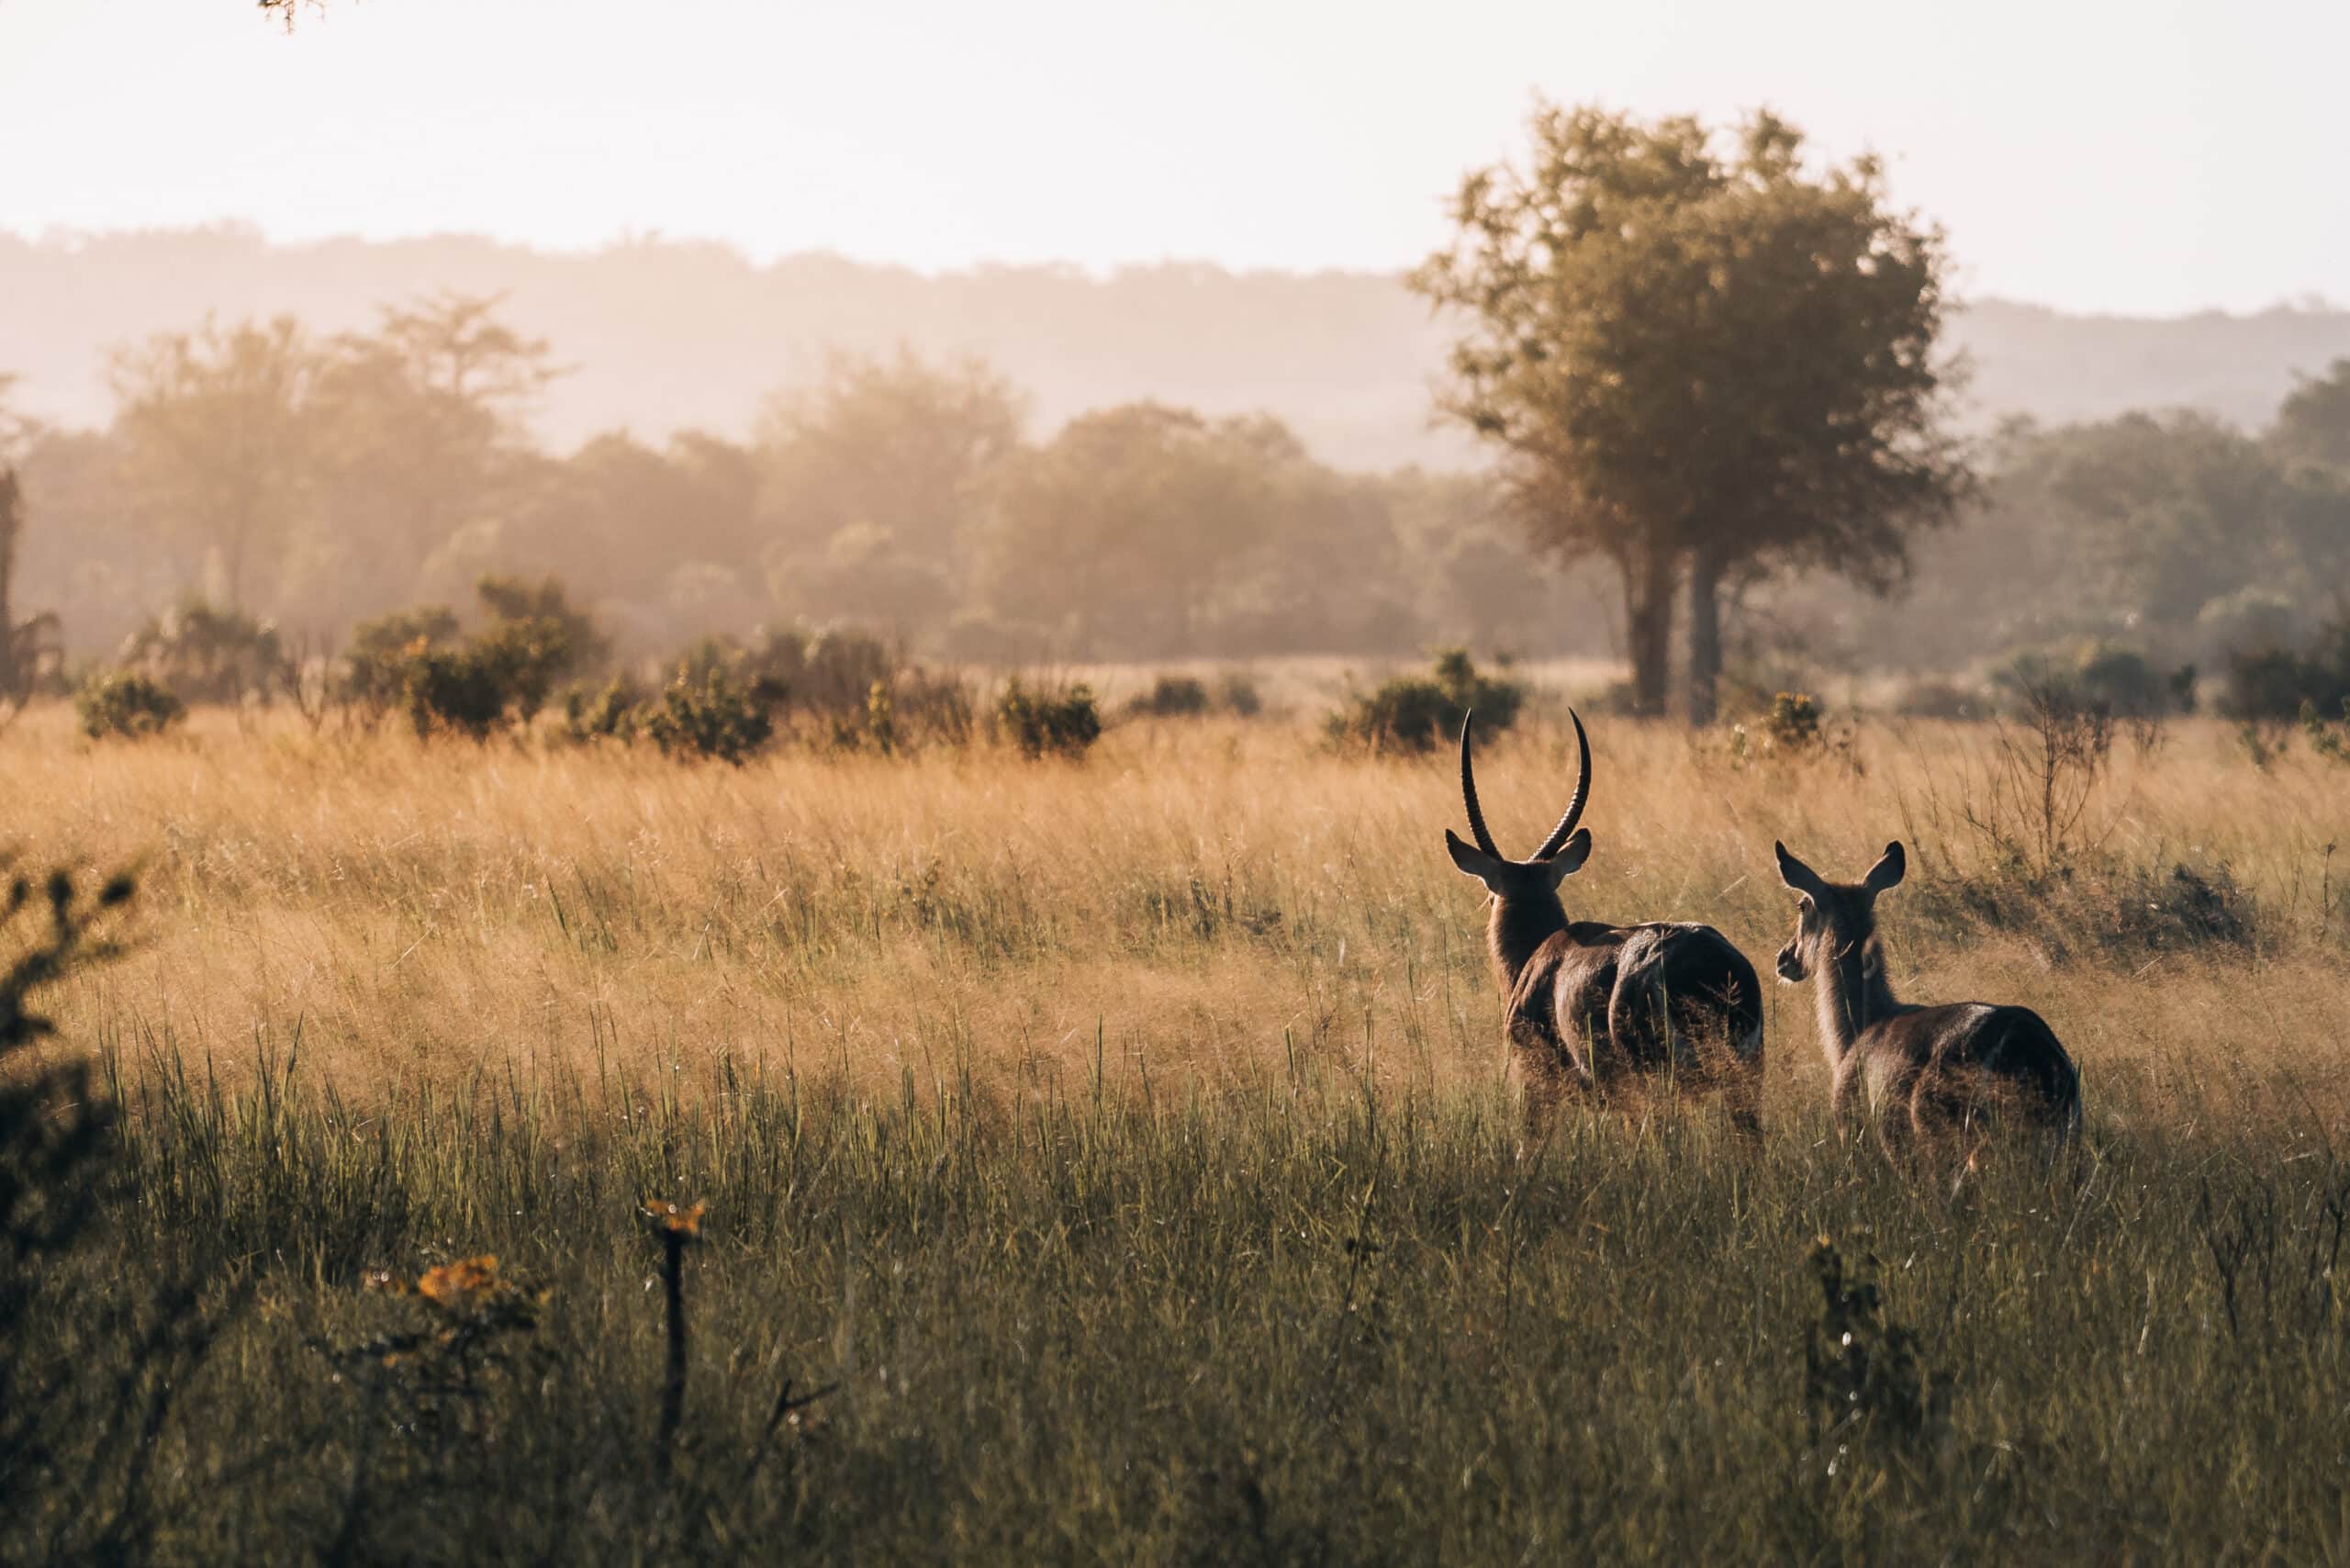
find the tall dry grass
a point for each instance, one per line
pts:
(1199, 904)
(1112, 1149)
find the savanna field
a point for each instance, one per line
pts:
(1114, 1160)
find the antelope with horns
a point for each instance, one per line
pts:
(1608, 1010)
(1925, 1071)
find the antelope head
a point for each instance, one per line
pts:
(1835, 922)
(1519, 881)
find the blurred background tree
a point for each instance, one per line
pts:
(211, 431)
(871, 482)
(1701, 367)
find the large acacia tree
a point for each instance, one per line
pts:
(1704, 365)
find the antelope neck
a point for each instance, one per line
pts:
(1852, 994)
(1518, 926)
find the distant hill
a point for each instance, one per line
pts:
(665, 335)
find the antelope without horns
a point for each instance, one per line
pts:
(1606, 1010)
(1923, 1071)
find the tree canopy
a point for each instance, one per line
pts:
(1701, 364)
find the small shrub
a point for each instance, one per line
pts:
(1239, 696)
(499, 677)
(1064, 724)
(2326, 739)
(713, 715)
(1172, 696)
(126, 703)
(206, 655)
(568, 633)
(829, 673)
(2272, 683)
(874, 728)
(1793, 723)
(1417, 712)
(373, 675)
(880, 719)
(2126, 682)
(706, 656)
(838, 670)
(2121, 681)
(2182, 687)
(613, 713)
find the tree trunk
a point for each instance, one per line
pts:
(1648, 581)
(1705, 635)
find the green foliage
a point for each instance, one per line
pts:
(567, 634)
(496, 679)
(2313, 423)
(373, 677)
(827, 675)
(2275, 684)
(2119, 681)
(1793, 723)
(612, 712)
(500, 677)
(2326, 739)
(208, 655)
(2099, 676)
(838, 669)
(1419, 712)
(1046, 722)
(1631, 290)
(881, 730)
(126, 703)
(713, 714)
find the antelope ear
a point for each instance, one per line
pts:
(1474, 861)
(1887, 872)
(1793, 873)
(1570, 858)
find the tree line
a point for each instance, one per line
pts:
(321, 482)
(1708, 364)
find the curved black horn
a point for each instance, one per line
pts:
(1558, 838)
(1469, 793)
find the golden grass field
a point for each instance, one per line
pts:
(1104, 1161)
(1204, 904)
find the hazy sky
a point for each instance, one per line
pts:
(2148, 156)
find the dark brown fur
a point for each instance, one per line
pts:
(1610, 1010)
(1923, 1072)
